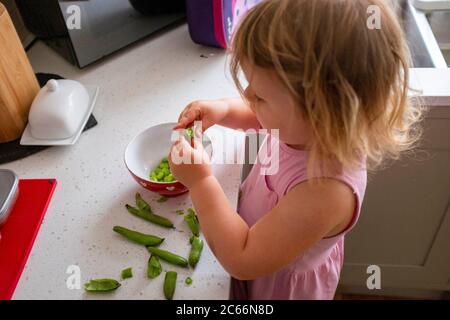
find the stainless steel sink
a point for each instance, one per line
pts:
(421, 40)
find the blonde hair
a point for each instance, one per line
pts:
(350, 81)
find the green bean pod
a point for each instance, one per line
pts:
(168, 257)
(101, 285)
(192, 222)
(196, 251)
(154, 267)
(141, 238)
(149, 216)
(170, 283)
(141, 203)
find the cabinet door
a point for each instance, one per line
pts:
(405, 222)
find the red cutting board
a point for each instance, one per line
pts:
(21, 229)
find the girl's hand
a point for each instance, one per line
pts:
(189, 164)
(210, 112)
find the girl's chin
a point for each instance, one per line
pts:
(286, 140)
(297, 146)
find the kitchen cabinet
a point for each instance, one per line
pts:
(404, 226)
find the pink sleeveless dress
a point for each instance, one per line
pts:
(315, 273)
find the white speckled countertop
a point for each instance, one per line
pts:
(143, 85)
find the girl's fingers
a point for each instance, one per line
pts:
(186, 148)
(198, 131)
(197, 137)
(185, 118)
(182, 122)
(178, 149)
(184, 112)
(182, 118)
(183, 142)
(174, 149)
(188, 116)
(176, 143)
(178, 126)
(193, 115)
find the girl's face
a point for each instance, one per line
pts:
(274, 106)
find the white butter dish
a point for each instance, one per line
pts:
(62, 123)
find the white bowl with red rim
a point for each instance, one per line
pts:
(144, 153)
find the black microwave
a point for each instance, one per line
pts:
(87, 30)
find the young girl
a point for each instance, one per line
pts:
(337, 91)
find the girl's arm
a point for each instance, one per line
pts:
(239, 115)
(308, 213)
(233, 113)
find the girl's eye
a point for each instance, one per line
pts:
(257, 98)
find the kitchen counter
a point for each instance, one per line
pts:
(140, 86)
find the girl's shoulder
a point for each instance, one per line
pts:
(292, 170)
